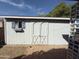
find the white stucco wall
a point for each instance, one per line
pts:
(54, 37)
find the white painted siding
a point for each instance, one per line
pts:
(54, 37)
(56, 30)
(19, 38)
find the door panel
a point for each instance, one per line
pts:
(40, 33)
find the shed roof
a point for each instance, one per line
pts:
(23, 17)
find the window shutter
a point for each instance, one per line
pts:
(13, 25)
(23, 25)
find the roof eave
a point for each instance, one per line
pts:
(23, 17)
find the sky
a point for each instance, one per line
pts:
(28, 7)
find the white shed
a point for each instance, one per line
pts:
(35, 30)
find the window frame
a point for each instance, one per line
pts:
(16, 24)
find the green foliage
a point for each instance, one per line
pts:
(62, 10)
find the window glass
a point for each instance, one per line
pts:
(13, 25)
(19, 24)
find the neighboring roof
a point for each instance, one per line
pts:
(23, 17)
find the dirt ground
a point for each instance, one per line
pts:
(33, 52)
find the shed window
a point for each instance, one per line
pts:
(18, 25)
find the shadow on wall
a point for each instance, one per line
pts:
(51, 54)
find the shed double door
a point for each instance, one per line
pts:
(40, 33)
